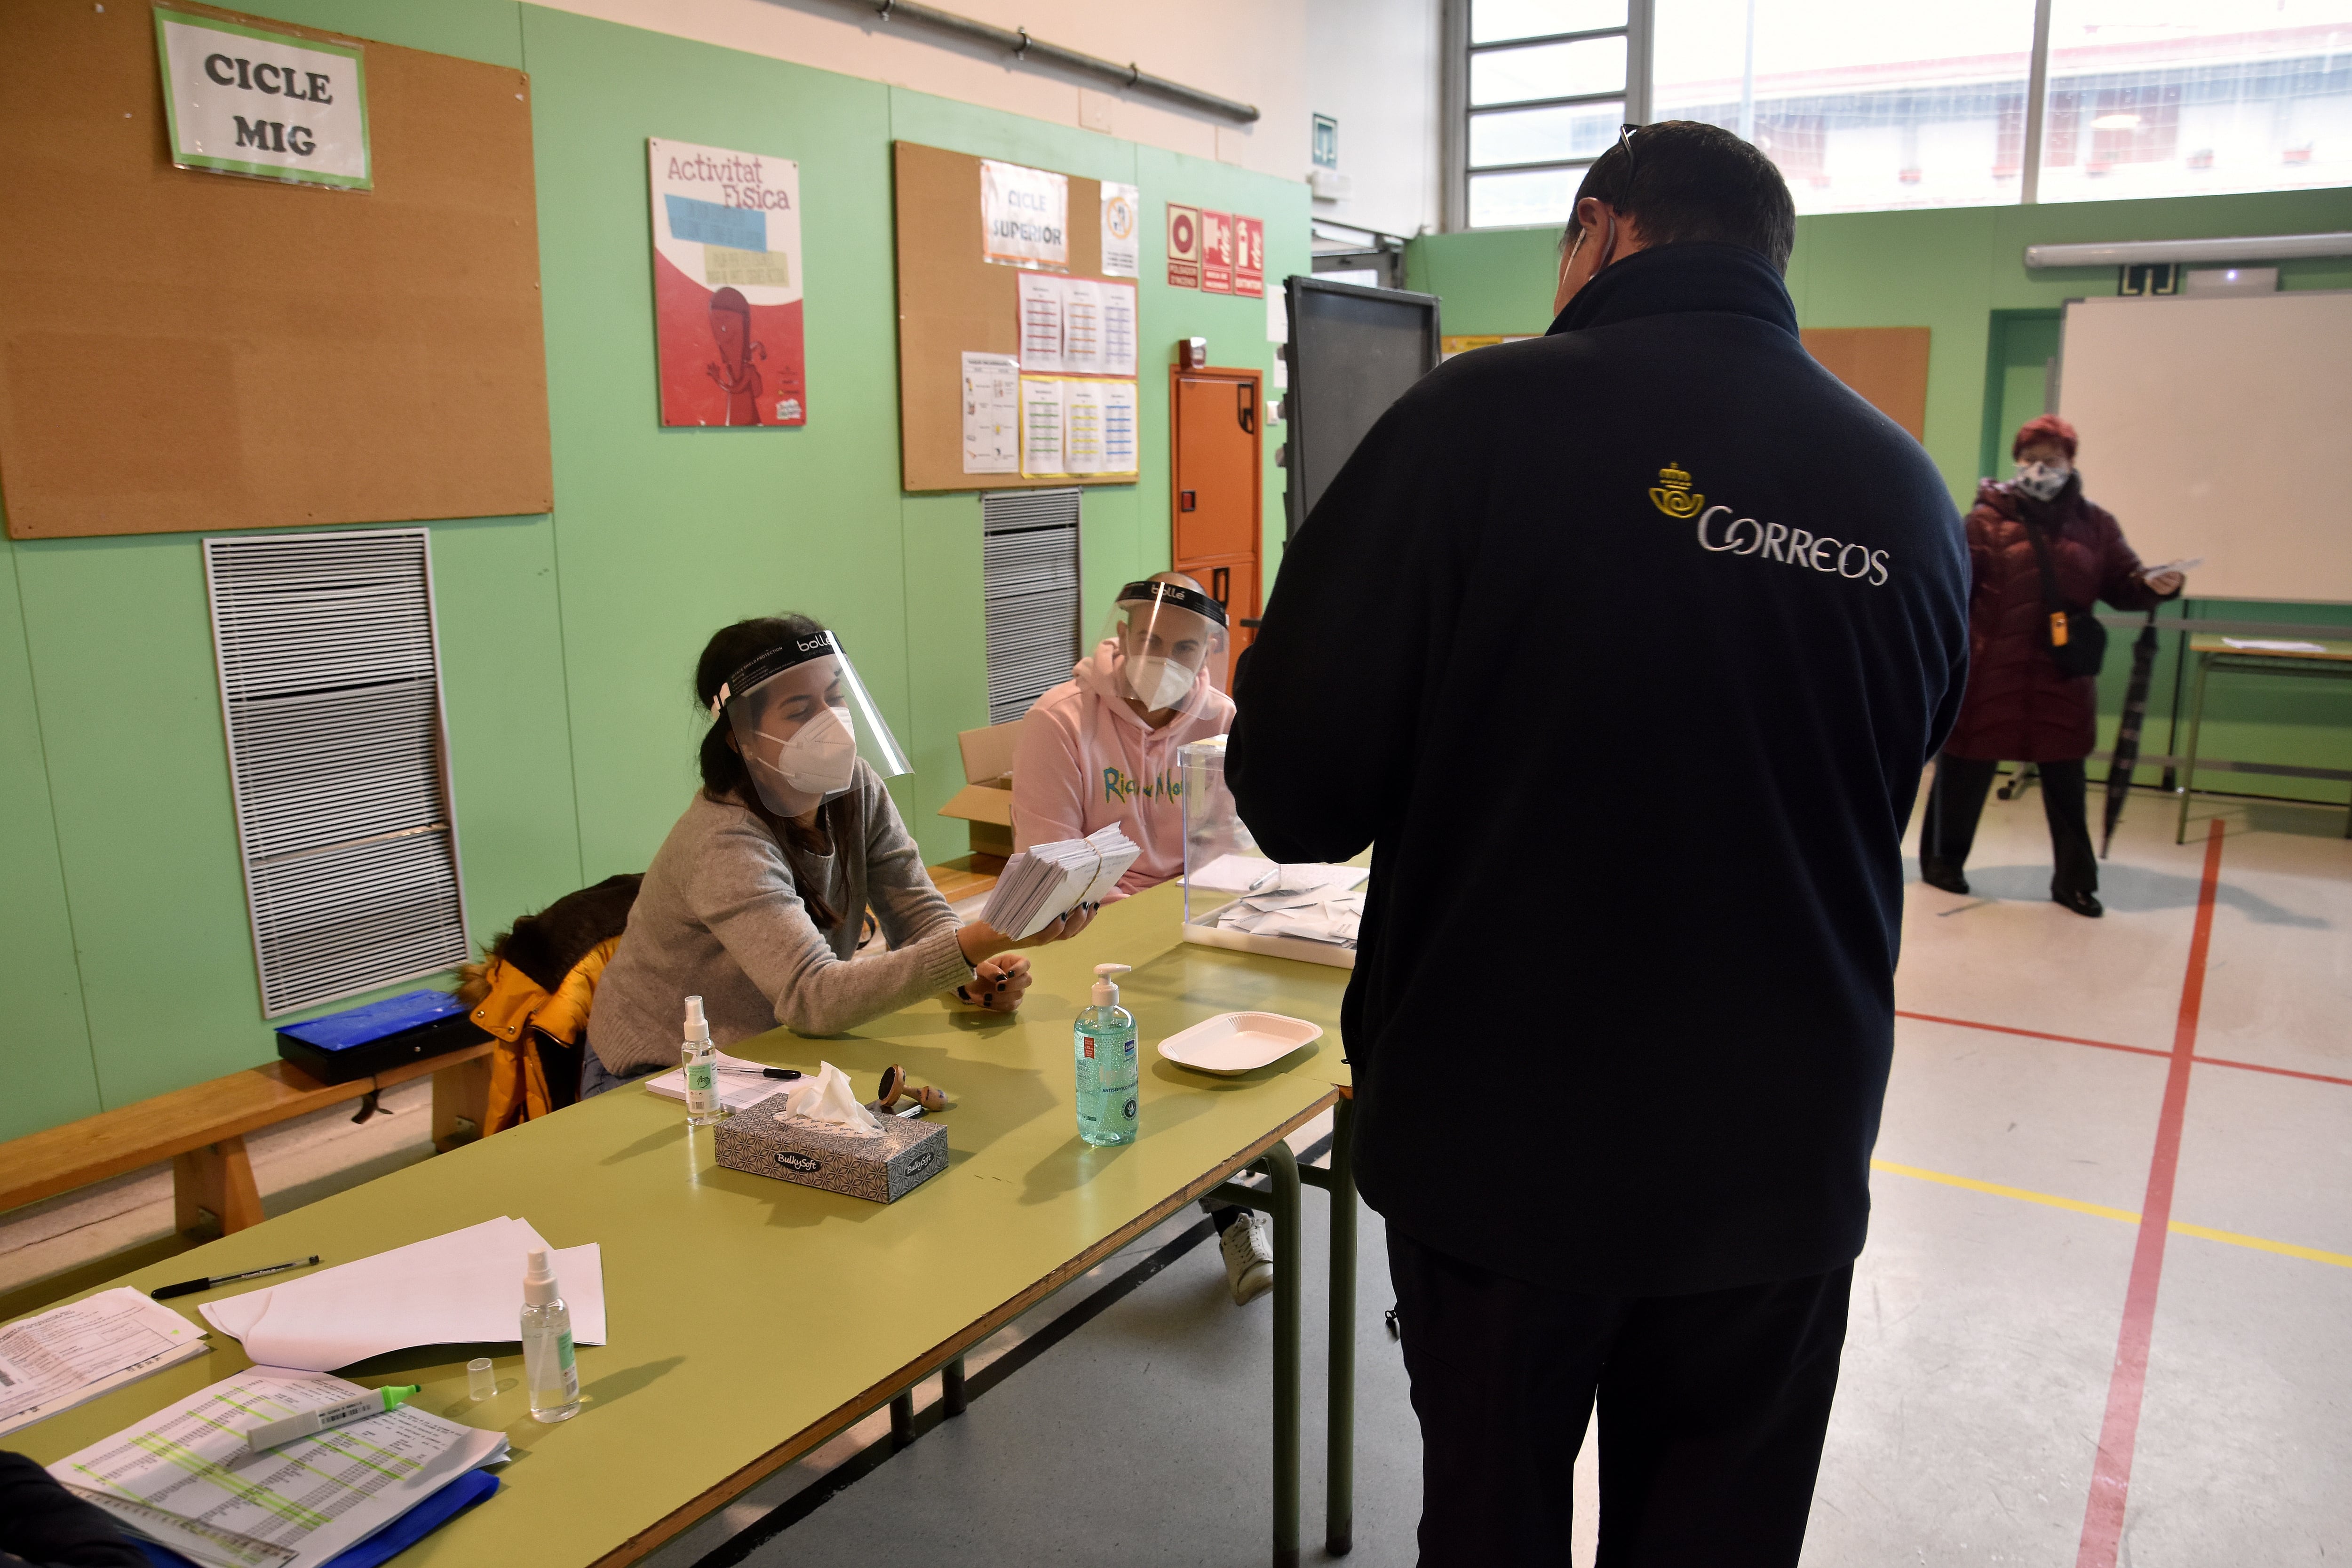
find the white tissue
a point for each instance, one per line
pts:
(827, 1100)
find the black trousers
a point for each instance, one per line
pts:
(1957, 799)
(1712, 1413)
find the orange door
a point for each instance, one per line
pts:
(1217, 538)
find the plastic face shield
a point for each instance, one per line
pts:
(802, 719)
(1167, 634)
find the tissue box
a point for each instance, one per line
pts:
(907, 1154)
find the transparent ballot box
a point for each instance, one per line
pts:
(1236, 896)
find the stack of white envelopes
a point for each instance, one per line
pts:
(1046, 881)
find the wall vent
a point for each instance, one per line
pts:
(1029, 581)
(330, 688)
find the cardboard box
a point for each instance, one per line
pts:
(986, 802)
(883, 1169)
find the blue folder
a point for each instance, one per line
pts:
(390, 1541)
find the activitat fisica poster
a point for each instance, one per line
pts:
(727, 286)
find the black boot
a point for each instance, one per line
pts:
(1944, 874)
(2081, 902)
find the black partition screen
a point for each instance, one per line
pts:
(1353, 351)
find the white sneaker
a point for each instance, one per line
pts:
(1249, 1259)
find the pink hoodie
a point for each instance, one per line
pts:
(1088, 759)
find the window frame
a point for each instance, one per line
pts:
(1458, 112)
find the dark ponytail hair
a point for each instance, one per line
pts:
(727, 777)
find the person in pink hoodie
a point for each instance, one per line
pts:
(1101, 748)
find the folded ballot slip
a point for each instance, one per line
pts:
(1045, 882)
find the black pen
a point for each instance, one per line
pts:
(765, 1072)
(190, 1287)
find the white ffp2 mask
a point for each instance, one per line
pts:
(1159, 682)
(2042, 480)
(821, 757)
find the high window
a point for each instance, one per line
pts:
(1865, 105)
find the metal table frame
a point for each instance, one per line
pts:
(2245, 661)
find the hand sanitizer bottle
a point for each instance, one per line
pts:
(701, 1059)
(1104, 1045)
(547, 1364)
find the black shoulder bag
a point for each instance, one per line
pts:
(2076, 639)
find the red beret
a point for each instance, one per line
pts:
(2044, 427)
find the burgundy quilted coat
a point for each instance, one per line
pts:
(2019, 708)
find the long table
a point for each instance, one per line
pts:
(753, 1320)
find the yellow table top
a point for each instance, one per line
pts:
(2213, 642)
(752, 1319)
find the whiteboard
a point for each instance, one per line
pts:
(2212, 427)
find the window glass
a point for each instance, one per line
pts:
(1549, 70)
(1544, 135)
(2159, 97)
(1492, 21)
(1861, 103)
(1529, 196)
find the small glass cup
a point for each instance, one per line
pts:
(481, 1382)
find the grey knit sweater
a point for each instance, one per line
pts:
(720, 916)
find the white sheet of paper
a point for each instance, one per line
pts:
(1082, 326)
(1118, 328)
(1277, 316)
(1041, 427)
(1042, 309)
(459, 1289)
(739, 1089)
(991, 414)
(1082, 426)
(1122, 224)
(60, 1358)
(184, 1478)
(1119, 416)
(2272, 644)
(1243, 873)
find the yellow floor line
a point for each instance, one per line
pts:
(2051, 1200)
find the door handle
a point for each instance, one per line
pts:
(1248, 404)
(1221, 588)
(1186, 500)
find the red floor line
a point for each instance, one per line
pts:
(2112, 1046)
(2102, 1517)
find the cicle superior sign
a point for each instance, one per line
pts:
(1024, 216)
(727, 286)
(245, 101)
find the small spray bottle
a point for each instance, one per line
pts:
(1104, 1046)
(701, 1059)
(547, 1356)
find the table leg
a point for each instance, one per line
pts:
(2188, 763)
(1340, 1441)
(902, 1419)
(952, 1394)
(1283, 1166)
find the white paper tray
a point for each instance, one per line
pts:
(1298, 947)
(1238, 1042)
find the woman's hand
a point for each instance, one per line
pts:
(998, 985)
(982, 941)
(2167, 583)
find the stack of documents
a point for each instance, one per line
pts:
(741, 1084)
(1045, 882)
(184, 1479)
(69, 1355)
(1318, 914)
(1255, 874)
(464, 1288)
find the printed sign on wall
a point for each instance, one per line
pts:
(1216, 253)
(1122, 231)
(241, 100)
(727, 286)
(1249, 256)
(1183, 247)
(1024, 216)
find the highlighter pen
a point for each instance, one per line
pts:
(311, 1423)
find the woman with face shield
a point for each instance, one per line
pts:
(1101, 747)
(2037, 547)
(756, 901)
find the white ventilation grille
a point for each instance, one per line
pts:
(1029, 580)
(331, 686)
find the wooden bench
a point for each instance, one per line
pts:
(201, 1130)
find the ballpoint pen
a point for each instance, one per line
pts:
(764, 1072)
(190, 1287)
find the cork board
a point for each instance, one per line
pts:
(951, 302)
(183, 351)
(1887, 365)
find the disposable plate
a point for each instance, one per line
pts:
(1238, 1042)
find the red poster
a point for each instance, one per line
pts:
(1249, 256)
(1183, 248)
(727, 286)
(1216, 253)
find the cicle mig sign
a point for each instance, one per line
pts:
(244, 100)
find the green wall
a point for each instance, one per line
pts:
(567, 641)
(1960, 272)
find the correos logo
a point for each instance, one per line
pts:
(1721, 534)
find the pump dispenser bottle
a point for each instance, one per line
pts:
(702, 1061)
(1104, 1045)
(547, 1362)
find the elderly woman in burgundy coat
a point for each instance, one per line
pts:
(2020, 705)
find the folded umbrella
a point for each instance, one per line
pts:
(2126, 754)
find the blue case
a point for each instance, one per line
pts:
(362, 1041)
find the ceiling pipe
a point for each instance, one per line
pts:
(1017, 43)
(2166, 252)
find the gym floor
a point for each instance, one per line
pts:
(2098, 1320)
